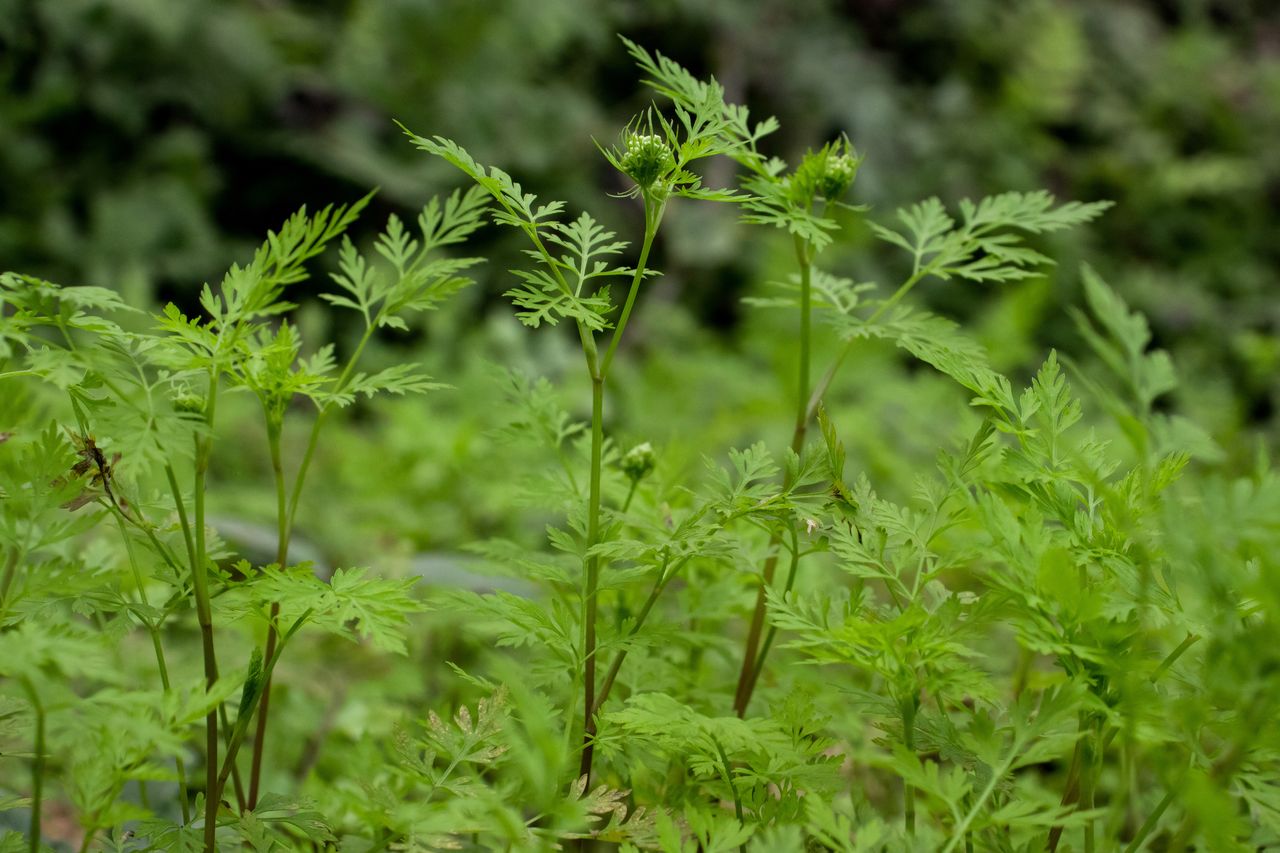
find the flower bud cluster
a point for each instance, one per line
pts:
(638, 462)
(838, 176)
(825, 174)
(648, 157)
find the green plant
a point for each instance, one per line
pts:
(1056, 629)
(152, 395)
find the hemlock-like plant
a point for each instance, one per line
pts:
(1059, 635)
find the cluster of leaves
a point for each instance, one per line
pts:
(102, 542)
(1062, 637)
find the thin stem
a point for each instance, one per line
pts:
(727, 775)
(773, 629)
(599, 370)
(285, 513)
(37, 766)
(631, 493)
(154, 630)
(204, 614)
(652, 218)
(909, 740)
(282, 556)
(148, 530)
(181, 506)
(242, 724)
(1149, 824)
(1088, 783)
(590, 599)
(961, 833)
(664, 576)
(6, 582)
(748, 676)
(1071, 791)
(820, 390)
(1173, 656)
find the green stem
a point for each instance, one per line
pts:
(204, 614)
(748, 676)
(652, 218)
(631, 493)
(1221, 771)
(820, 390)
(726, 773)
(664, 576)
(282, 556)
(909, 740)
(1173, 656)
(147, 529)
(154, 630)
(599, 371)
(773, 629)
(242, 722)
(37, 767)
(1149, 824)
(1071, 791)
(211, 664)
(6, 582)
(961, 833)
(590, 599)
(1088, 783)
(285, 513)
(181, 505)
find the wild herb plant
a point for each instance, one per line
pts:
(571, 278)
(144, 408)
(1058, 635)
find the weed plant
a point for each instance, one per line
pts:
(1061, 637)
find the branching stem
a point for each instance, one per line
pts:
(285, 513)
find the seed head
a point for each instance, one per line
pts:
(648, 157)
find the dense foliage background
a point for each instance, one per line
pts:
(144, 146)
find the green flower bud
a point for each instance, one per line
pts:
(639, 461)
(827, 173)
(838, 176)
(648, 157)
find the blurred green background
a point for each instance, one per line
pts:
(146, 144)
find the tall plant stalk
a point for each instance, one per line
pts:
(752, 655)
(286, 510)
(204, 614)
(599, 371)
